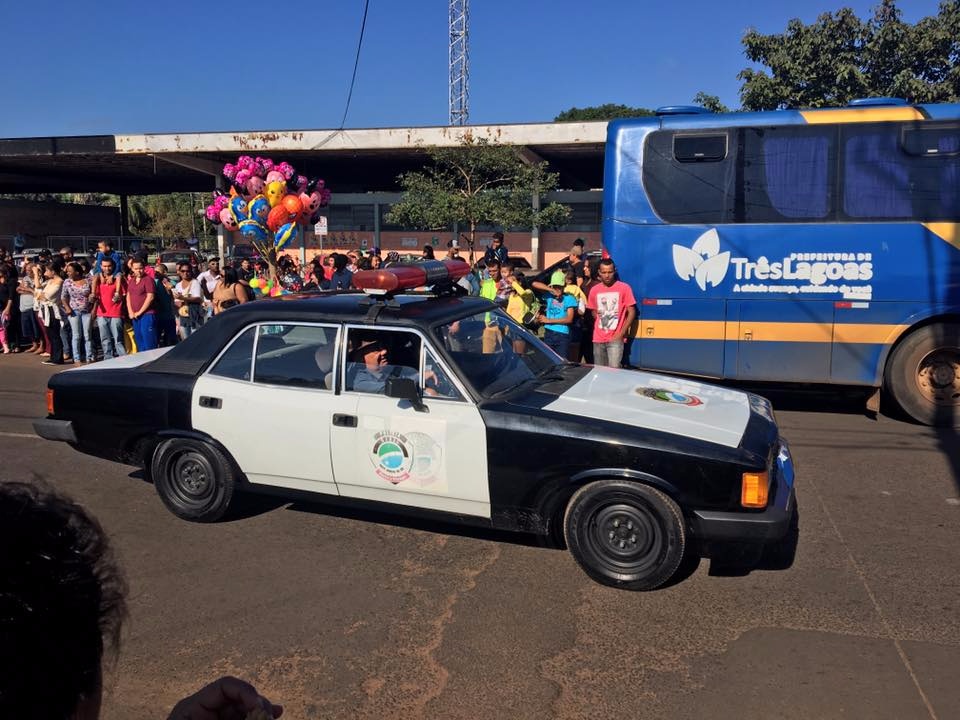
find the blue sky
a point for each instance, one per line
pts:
(130, 67)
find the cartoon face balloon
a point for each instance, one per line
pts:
(258, 209)
(311, 202)
(253, 230)
(275, 192)
(228, 220)
(278, 216)
(275, 176)
(238, 208)
(293, 204)
(255, 185)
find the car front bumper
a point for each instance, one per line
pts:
(769, 525)
(50, 429)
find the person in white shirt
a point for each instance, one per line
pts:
(209, 279)
(188, 300)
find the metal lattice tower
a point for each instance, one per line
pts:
(459, 62)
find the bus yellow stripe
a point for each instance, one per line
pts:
(948, 231)
(856, 115)
(862, 333)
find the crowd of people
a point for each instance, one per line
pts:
(77, 310)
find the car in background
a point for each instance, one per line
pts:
(240, 253)
(172, 258)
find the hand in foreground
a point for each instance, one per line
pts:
(225, 699)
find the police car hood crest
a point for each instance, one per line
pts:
(639, 399)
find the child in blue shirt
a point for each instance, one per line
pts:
(558, 315)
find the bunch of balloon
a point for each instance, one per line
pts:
(269, 204)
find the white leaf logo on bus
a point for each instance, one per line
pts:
(703, 261)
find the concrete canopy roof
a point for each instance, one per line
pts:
(349, 160)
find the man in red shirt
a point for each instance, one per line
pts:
(140, 293)
(108, 306)
(614, 309)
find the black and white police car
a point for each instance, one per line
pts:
(439, 404)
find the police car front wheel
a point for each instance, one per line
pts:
(193, 479)
(625, 534)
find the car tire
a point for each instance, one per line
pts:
(193, 479)
(625, 534)
(923, 375)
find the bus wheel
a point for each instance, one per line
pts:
(924, 375)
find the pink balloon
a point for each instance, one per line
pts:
(311, 202)
(255, 185)
(226, 217)
(275, 176)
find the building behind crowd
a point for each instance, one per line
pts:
(360, 166)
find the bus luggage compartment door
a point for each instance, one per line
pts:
(784, 339)
(680, 335)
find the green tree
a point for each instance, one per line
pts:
(840, 57)
(710, 102)
(175, 215)
(608, 111)
(476, 183)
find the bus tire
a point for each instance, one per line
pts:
(625, 534)
(923, 375)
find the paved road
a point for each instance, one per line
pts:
(346, 617)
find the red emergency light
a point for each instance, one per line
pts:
(408, 276)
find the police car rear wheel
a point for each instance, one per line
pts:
(923, 375)
(194, 480)
(625, 534)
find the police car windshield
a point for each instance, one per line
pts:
(495, 354)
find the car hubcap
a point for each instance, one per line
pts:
(192, 477)
(625, 536)
(938, 376)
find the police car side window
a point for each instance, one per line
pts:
(295, 356)
(375, 355)
(235, 362)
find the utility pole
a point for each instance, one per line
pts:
(459, 62)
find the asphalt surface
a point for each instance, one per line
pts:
(337, 615)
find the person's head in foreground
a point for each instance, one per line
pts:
(62, 604)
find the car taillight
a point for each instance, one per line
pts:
(49, 401)
(754, 489)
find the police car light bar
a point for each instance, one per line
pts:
(408, 276)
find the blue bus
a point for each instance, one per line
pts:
(795, 246)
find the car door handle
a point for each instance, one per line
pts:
(211, 402)
(341, 420)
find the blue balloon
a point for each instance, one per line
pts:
(285, 234)
(259, 209)
(253, 230)
(238, 208)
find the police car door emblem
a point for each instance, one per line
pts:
(398, 457)
(703, 261)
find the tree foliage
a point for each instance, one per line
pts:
(476, 183)
(840, 57)
(608, 111)
(175, 215)
(710, 102)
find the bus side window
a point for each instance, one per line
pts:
(886, 177)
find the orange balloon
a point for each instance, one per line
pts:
(278, 216)
(294, 206)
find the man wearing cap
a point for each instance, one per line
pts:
(559, 313)
(370, 365)
(574, 260)
(497, 252)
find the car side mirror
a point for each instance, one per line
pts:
(406, 389)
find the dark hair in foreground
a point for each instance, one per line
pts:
(62, 601)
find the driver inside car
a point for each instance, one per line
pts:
(370, 366)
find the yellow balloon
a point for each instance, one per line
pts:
(254, 283)
(275, 191)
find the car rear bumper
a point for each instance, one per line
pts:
(50, 429)
(769, 525)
